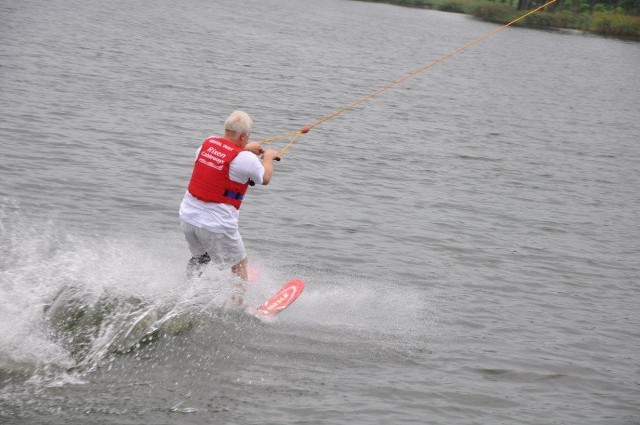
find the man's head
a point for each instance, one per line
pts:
(237, 128)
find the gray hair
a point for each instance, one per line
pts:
(238, 122)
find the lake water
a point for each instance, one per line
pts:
(469, 239)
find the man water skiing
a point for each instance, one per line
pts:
(209, 211)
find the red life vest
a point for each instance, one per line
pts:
(210, 180)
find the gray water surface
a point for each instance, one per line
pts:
(469, 239)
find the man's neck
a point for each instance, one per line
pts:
(232, 137)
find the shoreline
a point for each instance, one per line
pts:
(601, 22)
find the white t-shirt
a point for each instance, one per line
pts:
(220, 218)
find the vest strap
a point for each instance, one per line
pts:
(233, 195)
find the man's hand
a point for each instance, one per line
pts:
(254, 147)
(270, 154)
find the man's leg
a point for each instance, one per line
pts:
(240, 270)
(196, 265)
(199, 255)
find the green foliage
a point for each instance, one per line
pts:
(494, 12)
(455, 6)
(565, 19)
(560, 19)
(540, 20)
(601, 7)
(614, 24)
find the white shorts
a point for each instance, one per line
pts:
(225, 249)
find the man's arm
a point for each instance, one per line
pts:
(267, 162)
(254, 147)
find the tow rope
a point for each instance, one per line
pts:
(294, 135)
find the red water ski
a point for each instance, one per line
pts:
(281, 300)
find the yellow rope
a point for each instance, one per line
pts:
(294, 135)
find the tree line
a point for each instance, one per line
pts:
(581, 6)
(614, 18)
